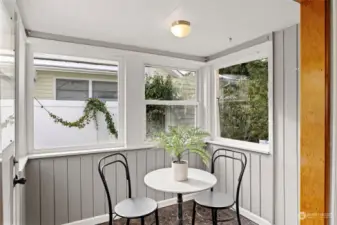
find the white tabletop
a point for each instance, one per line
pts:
(162, 180)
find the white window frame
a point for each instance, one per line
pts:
(264, 50)
(90, 90)
(131, 93)
(194, 103)
(120, 143)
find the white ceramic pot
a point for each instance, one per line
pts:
(180, 170)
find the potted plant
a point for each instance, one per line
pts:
(180, 140)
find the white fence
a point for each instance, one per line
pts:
(48, 134)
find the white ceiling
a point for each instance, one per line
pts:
(146, 23)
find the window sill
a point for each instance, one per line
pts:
(86, 152)
(241, 145)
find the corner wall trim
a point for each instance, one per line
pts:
(132, 48)
(251, 216)
(104, 44)
(161, 204)
(237, 48)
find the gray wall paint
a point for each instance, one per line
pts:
(256, 193)
(21, 190)
(286, 130)
(67, 189)
(271, 182)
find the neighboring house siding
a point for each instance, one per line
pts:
(44, 83)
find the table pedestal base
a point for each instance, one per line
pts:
(180, 218)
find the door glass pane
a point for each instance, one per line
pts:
(7, 79)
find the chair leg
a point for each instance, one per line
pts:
(238, 213)
(110, 219)
(156, 215)
(193, 214)
(214, 216)
(127, 221)
(142, 221)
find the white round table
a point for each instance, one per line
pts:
(162, 180)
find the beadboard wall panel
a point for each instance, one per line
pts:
(256, 193)
(67, 189)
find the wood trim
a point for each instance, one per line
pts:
(315, 112)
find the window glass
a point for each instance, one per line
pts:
(243, 101)
(74, 90)
(104, 90)
(169, 84)
(174, 92)
(161, 117)
(7, 79)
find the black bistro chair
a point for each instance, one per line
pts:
(218, 200)
(130, 208)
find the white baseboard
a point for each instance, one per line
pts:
(251, 216)
(164, 203)
(91, 221)
(105, 218)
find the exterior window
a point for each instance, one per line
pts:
(170, 97)
(75, 90)
(67, 101)
(160, 117)
(78, 90)
(106, 91)
(243, 102)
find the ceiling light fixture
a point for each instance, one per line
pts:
(181, 28)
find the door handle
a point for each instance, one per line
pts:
(17, 180)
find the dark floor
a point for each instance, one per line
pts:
(167, 216)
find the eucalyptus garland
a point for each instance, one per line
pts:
(90, 111)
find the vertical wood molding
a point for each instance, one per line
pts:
(314, 112)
